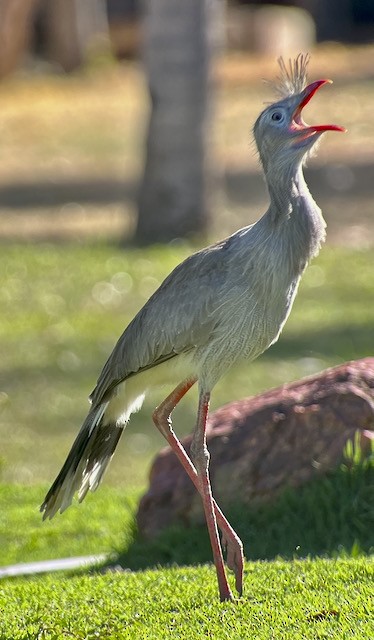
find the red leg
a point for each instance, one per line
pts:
(230, 539)
(200, 455)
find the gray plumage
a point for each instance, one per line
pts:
(226, 302)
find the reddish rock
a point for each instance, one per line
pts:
(259, 445)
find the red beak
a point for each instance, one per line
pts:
(298, 125)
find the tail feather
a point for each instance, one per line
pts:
(86, 463)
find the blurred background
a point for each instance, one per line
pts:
(125, 144)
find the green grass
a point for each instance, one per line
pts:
(331, 516)
(104, 524)
(289, 597)
(298, 600)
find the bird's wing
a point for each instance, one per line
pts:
(178, 317)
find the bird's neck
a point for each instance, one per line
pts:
(293, 216)
(285, 187)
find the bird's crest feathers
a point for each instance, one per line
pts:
(293, 76)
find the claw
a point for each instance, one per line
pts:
(233, 547)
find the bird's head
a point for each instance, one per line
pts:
(282, 137)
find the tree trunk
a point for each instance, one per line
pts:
(73, 27)
(180, 39)
(16, 21)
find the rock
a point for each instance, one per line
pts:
(259, 445)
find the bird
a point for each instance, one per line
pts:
(224, 303)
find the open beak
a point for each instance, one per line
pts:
(298, 127)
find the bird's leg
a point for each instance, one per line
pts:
(230, 539)
(200, 456)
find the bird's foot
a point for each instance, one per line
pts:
(234, 559)
(226, 596)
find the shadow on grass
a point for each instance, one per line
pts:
(240, 186)
(347, 341)
(330, 516)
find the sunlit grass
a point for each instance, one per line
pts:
(294, 601)
(297, 597)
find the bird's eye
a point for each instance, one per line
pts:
(277, 116)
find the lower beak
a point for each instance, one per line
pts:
(298, 125)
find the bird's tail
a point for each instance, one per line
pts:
(85, 465)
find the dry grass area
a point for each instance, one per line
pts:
(349, 101)
(72, 147)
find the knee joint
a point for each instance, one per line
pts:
(200, 456)
(162, 421)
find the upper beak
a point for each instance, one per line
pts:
(298, 125)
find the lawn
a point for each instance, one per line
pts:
(321, 587)
(289, 601)
(65, 300)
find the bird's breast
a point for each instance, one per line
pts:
(247, 323)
